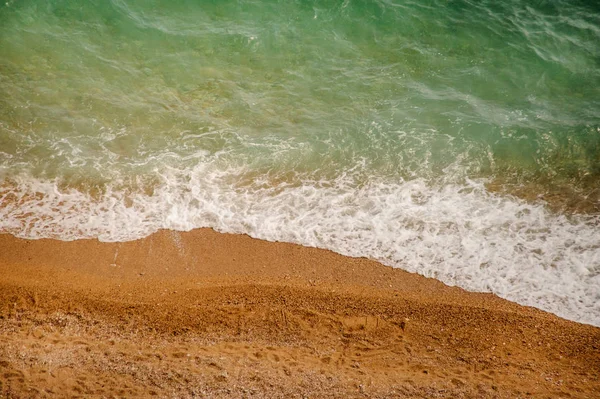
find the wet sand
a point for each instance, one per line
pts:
(204, 314)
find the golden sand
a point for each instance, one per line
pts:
(204, 314)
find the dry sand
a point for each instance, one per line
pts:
(203, 314)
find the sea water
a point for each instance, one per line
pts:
(456, 139)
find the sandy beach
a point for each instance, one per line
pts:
(204, 314)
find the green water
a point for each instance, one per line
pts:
(106, 90)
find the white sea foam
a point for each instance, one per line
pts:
(458, 233)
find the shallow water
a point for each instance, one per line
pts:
(397, 130)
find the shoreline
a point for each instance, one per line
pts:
(200, 313)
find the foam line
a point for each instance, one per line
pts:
(458, 233)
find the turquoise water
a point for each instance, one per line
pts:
(457, 139)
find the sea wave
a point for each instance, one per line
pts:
(460, 234)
